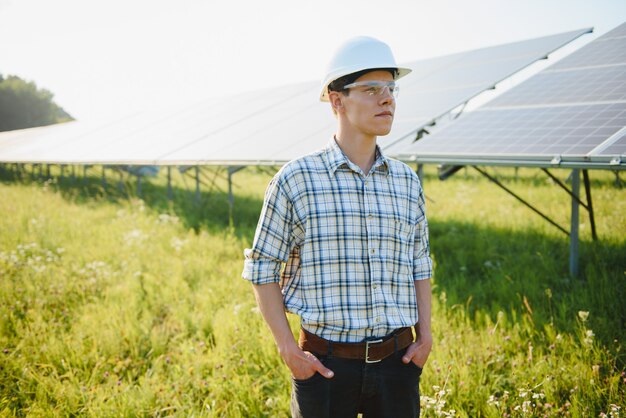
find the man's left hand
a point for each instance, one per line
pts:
(418, 351)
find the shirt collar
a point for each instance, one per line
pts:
(335, 158)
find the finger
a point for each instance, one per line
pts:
(324, 371)
(421, 355)
(321, 369)
(410, 353)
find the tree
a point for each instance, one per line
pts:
(23, 105)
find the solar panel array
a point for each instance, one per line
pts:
(572, 114)
(275, 125)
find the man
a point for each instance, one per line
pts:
(347, 226)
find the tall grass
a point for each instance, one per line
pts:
(112, 306)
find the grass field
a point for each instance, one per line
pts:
(116, 306)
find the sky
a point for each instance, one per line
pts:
(107, 59)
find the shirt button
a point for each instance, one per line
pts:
(375, 286)
(373, 251)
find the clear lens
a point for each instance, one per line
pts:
(375, 88)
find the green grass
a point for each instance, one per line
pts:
(116, 306)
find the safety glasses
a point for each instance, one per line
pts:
(375, 88)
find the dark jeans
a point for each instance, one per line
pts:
(389, 388)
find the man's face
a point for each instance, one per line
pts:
(370, 114)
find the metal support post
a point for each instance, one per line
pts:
(589, 207)
(420, 173)
(231, 196)
(573, 251)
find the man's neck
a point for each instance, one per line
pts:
(360, 149)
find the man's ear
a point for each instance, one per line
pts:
(336, 101)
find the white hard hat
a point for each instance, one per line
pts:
(358, 54)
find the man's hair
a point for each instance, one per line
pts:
(341, 82)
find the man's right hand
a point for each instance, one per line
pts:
(301, 363)
(304, 365)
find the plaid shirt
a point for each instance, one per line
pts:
(352, 245)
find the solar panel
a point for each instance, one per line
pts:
(616, 145)
(254, 138)
(274, 125)
(436, 86)
(585, 85)
(439, 85)
(547, 131)
(571, 114)
(606, 50)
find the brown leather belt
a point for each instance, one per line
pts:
(371, 351)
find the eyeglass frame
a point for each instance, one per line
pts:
(391, 86)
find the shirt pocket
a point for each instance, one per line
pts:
(398, 243)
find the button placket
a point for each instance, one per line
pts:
(375, 262)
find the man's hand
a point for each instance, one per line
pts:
(419, 350)
(304, 364)
(301, 363)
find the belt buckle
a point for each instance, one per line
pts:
(367, 351)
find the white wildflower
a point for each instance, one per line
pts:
(134, 237)
(493, 401)
(177, 243)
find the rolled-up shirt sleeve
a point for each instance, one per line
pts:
(422, 263)
(272, 240)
